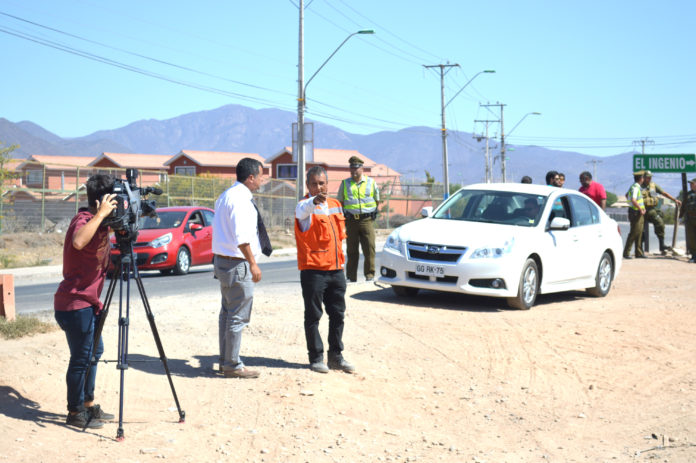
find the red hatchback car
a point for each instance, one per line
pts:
(177, 239)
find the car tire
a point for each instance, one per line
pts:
(405, 291)
(165, 271)
(528, 288)
(183, 261)
(604, 277)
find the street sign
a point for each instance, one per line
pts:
(664, 162)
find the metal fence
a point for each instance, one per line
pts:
(45, 198)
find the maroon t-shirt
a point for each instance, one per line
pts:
(84, 271)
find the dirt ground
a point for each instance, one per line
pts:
(441, 377)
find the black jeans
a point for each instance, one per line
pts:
(329, 288)
(79, 331)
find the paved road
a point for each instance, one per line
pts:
(654, 244)
(34, 293)
(35, 297)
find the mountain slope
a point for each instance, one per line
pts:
(409, 151)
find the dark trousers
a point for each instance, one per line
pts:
(329, 288)
(78, 326)
(360, 232)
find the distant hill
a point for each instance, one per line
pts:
(33, 139)
(410, 151)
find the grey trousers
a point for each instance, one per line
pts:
(237, 290)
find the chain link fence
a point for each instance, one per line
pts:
(45, 198)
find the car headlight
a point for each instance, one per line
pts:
(493, 252)
(395, 244)
(161, 241)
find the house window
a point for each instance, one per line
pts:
(34, 177)
(180, 170)
(287, 171)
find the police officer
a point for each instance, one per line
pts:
(689, 214)
(653, 214)
(636, 211)
(359, 197)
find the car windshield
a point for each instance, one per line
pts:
(503, 207)
(165, 219)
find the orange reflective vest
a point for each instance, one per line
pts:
(321, 246)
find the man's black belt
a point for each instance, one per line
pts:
(367, 215)
(229, 257)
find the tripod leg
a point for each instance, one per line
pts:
(160, 349)
(123, 323)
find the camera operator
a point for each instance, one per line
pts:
(86, 254)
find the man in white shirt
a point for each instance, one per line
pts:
(238, 234)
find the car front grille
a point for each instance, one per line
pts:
(141, 245)
(425, 252)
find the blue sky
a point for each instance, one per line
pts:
(602, 73)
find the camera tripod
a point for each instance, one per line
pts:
(126, 269)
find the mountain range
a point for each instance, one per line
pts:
(410, 151)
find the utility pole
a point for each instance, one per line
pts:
(643, 142)
(489, 172)
(299, 154)
(594, 163)
(502, 137)
(444, 68)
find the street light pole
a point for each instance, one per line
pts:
(301, 102)
(445, 160)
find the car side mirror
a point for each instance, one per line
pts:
(195, 227)
(427, 211)
(560, 223)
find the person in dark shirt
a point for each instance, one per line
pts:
(86, 254)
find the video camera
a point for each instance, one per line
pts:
(130, 206)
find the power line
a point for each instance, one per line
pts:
(156, 60)
(382, 28)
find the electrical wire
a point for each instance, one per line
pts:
(155, 60)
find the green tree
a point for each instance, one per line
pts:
(5, 173)
(429, 182)
(611, 198)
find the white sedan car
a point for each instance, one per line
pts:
(506, 240)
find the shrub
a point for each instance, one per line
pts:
(24, 326)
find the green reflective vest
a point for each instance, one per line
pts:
(634, 192)
(358, 198)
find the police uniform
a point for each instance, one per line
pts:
(653, 214)
(635, 235)
(689, 214)
(359, 200)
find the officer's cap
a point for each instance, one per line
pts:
(693, 180)
(647, 173)
(640, 172)
(355, 161)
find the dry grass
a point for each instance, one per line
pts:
(30, 249)
(24, 326)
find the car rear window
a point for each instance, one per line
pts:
(167, 219)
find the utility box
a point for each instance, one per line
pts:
(7, 299)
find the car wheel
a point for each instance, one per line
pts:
(528, 287)
(166, 271)
(605, 274)
(183, 261)
(405, 291)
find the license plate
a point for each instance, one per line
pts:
(430, 270)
